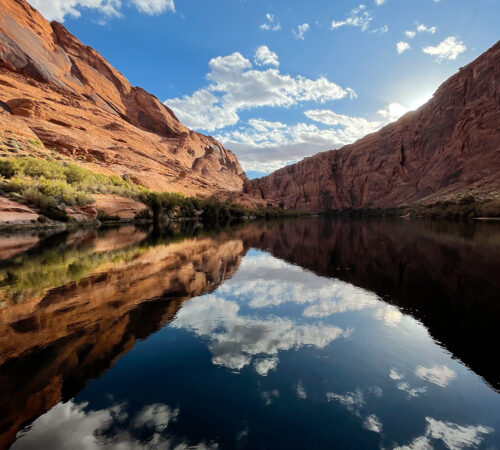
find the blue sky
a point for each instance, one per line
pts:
(278, 81)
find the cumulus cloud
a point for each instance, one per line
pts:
(265, 281)
(266, 365)
(271, 23)
(236, 85)
(453, 435)
(353, 401)
(265, 57)
(440, 375)
(404, 386)
(379, 2)
(449, 49)
(359, 17)
(388, 314)
(75, 426)
(421, 28)
(156, 416)
(392, 111)
(402, 47)
(300, 31)
(265, 146)
(236, 340)
(59, 9)
(372, 423)
(301, 392)
(395, 375)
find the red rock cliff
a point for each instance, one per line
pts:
(449, 147)
(56, 90)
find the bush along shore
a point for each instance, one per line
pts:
(65, 195)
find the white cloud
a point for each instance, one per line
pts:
(65, 424)
(301, 392)
(392, 111)
(271, 23)
(421, 28)
(404, 386)
(353, 401)
(328, 117)
(156, 416)
(395, 375)
(389, 314)
(402, 47)
(372, 423)
(300, 31)
(381, 30)
(236, 340)
(235, 85)
(453, 435)
(450, 48)
(266, 146)
(379, 2)
(266, 365)
(72, 425)
(411, 391)
(265, 57)
(59, 9)
(440, 375)
(358, 17)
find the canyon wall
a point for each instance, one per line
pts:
(448, 148)
(60, 98)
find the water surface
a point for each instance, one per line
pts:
(299, 334)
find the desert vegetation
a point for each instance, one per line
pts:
(49, 185)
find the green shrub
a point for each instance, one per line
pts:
(8, 168)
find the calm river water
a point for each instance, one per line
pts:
(303, 334)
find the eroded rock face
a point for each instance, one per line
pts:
(448, 147)
(66, 95)
(118, 207)
(15, 213)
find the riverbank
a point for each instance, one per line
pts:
(45, 193)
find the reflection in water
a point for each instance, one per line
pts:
(235, 340)
(297, 334)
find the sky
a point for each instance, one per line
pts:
(276, 81)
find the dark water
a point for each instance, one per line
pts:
(303, 334)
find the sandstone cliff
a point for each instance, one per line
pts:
(56, 91)
(447, 148)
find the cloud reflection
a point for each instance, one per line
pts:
(237, 340)
(72, 425)
(264, 281)
(453, 436)
(440, 375)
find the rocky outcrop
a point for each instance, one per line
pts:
(111, 206)
(58, 92)
(15, 213)
(448, 148)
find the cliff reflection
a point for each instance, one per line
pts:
(444, 274)
(74, 304)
